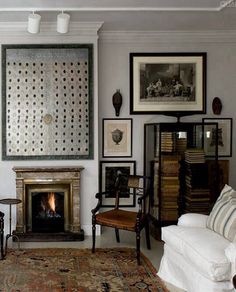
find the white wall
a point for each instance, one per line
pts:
(80, 33)
(114, 49)
(113, 73)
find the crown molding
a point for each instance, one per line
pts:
(91, 29)
(222, 4)
(224, 36)
(110, 9)
(226, 3)
(49, 29)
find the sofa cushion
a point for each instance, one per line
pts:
(192, 220)
(202, 247)
(222, 218)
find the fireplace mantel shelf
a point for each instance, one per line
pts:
(47, 168)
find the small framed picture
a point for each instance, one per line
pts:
(108, 173)
(224, 137)
(117, 138)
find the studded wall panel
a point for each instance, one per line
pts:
(48, 102)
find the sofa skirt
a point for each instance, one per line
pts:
(178, 272)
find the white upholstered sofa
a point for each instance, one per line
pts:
(196, 258)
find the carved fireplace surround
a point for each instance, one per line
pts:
(66, 179)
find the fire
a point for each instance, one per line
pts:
(48, 206)
(52, 201)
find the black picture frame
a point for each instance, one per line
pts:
(225, 131)
(168, 83)
(117, 137)
(108, 174)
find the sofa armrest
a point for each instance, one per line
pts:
(230, 253)
(192, 220)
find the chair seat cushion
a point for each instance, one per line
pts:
(120, 219)
(202, 247)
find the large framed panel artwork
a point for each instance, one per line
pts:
(47, 102)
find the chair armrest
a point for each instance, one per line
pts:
(193, 220)
(143, 204)
(230, 253)
(99, 197)
(142, 198)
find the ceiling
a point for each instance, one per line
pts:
(136, 15)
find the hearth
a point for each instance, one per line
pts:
(47, 211)
(50, 209)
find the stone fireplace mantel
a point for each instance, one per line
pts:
(68, 176)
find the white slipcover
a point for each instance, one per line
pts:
(197, 258)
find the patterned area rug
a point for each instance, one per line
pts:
(72, 270)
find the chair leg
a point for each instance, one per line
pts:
(147, 236)
(117, 235)
(93, 234)
(138, 246)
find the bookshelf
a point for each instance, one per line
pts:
(196, 189)
(175, 158)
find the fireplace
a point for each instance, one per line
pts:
(46, 209)
(50, 209)
(47, 212)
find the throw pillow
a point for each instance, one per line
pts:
(222, 218)
(228, 227)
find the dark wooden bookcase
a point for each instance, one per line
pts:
(175, 189)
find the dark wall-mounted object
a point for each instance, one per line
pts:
(216, 106)
(117, 101)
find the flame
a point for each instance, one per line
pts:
(51, 201)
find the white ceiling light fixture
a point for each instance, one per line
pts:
(63, 20)
(34, 23)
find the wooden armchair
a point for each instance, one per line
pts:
(1, 234)
(123, 219)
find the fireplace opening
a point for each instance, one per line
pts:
(48, 208)
(47, 212)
